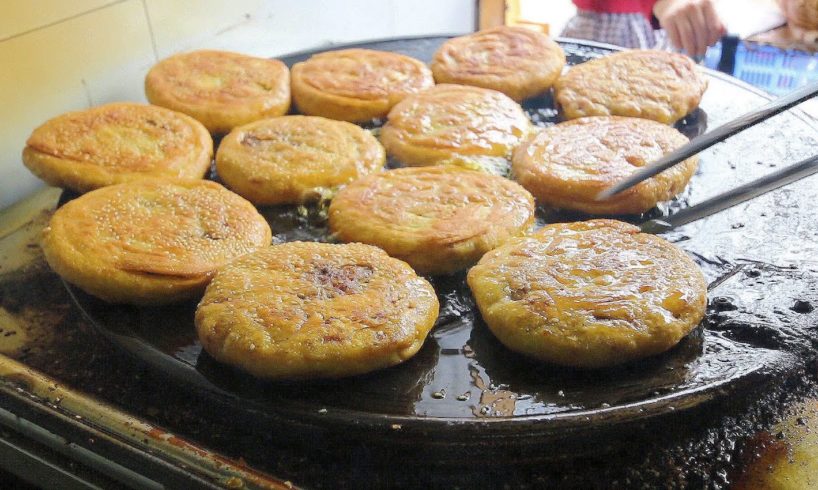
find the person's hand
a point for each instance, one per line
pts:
(692, 25)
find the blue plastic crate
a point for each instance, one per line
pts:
(775, 70)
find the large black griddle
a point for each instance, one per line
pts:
(464, 389)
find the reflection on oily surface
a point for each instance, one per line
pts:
(784, 457)
(392, 390)
(693, 124)
(166, 335)
(699, 360)
(462, 370)
(495, 402)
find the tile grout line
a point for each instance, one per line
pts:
(56, 22)
(150, 31)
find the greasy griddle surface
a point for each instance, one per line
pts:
(464, 386)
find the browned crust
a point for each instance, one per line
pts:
(356, 85)
(650, 84)
(589, 294)
(315, 310)
(438, 219)
(567, 165)
(293, 159)
(472, 127)
(519, 62)
(220, 89)
(151, 242)
(117, 143)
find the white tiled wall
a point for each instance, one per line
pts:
(61, 55)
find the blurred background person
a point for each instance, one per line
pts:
(685, 25)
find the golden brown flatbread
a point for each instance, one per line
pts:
(519, 62)
(117, 143)
(567, 165)
(589, 294)
(438, 219)
(356, 85)
(220, 89)
(151, 242)
(293, 159)
(315, 310)
(657, 85)
(471, 127)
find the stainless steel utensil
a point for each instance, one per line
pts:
(710, 138)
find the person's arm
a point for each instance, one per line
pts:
(692, 25)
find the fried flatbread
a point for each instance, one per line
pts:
(356, 85)
(519, 62)
(657, 85)
(589, 294)
(293, 159)
(220, 89)
(117, 143)
(151, 242)
(315, 310)
(438, 219)
(471, 127)
(567, 165)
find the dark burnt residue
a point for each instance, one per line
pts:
(802, 306)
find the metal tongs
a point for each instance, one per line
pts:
(733, 197)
